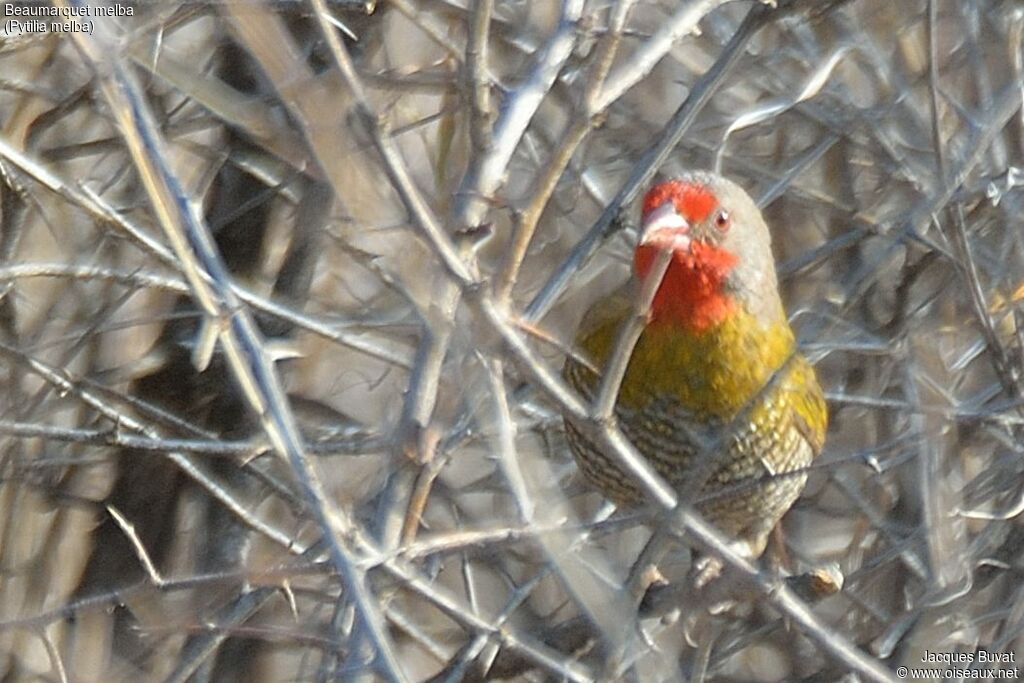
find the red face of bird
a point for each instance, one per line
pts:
(721, 251)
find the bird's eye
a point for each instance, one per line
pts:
(723, 220)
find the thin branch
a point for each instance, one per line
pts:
(682, 23)
(140, 550)
(629, 333)
(476, 77)
(487, 171)
(552, 172)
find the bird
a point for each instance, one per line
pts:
(716, 386)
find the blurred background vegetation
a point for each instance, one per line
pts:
(414, 201)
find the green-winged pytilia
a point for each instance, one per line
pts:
(716, 376)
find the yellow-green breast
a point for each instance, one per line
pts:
(739, 384)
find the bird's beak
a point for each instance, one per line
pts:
(664, 228)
